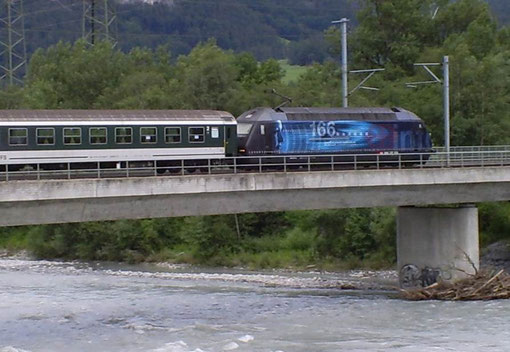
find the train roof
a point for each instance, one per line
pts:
(329, 114)
(114, 116)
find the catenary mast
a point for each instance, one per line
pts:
(99, 21)
(12, 42)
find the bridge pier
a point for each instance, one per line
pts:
(436, 243)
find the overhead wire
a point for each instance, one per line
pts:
(46, 10)
(70, 21)
(159, 8)
(175, 35)
(272, 5)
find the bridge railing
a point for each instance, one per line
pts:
(480, 148)
(458, 157)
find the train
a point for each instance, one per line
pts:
(55, 139)
(302, 131)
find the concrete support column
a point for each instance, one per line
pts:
(436, 244)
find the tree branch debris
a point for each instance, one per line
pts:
(484, 285)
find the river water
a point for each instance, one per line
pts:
(71, 306)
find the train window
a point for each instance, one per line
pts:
(45, 136)
(97, 135)
(72, 135)
(148, 135)
(172, 135)
(262, 129)
(215, 132)
(18, 136)
(196, 134)
(244, 128)
(123, 135)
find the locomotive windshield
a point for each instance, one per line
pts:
(243, 128)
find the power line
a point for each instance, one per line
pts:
(46, 10)
(67, 7)
(102, 25)
(80, 19)
(124, 34)
(266, 6)
(86, 32)
(36, 29)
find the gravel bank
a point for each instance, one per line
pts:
(496, 255)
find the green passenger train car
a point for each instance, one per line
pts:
(52, 138)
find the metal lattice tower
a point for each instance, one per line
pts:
(99, 21)
(13, 54)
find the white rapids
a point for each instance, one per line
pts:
(71, 306)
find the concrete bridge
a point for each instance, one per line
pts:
(433, 240)
(80, 200)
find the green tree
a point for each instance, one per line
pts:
(318, 86)
(479, 96)
(144, 83)
(12, 97)
(455, 17)
(393, 33)
(205, 79)
(362, 234)
(72, 76)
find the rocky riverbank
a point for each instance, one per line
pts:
(493, 258)
(496, 256)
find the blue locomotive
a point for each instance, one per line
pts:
(315, 131)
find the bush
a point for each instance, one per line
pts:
(13, 238)
(335, 238)
(494, 222)
(299, 239)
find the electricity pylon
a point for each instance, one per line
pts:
(99, 21)
(13, 52)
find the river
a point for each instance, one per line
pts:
(96, 307)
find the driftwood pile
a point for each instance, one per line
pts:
(484, 285)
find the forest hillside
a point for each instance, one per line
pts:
(268, 29)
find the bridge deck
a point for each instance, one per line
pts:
(59, 201)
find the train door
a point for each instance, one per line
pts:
(230, 140)
(266, 136)
(406, 139)
(418, 140)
